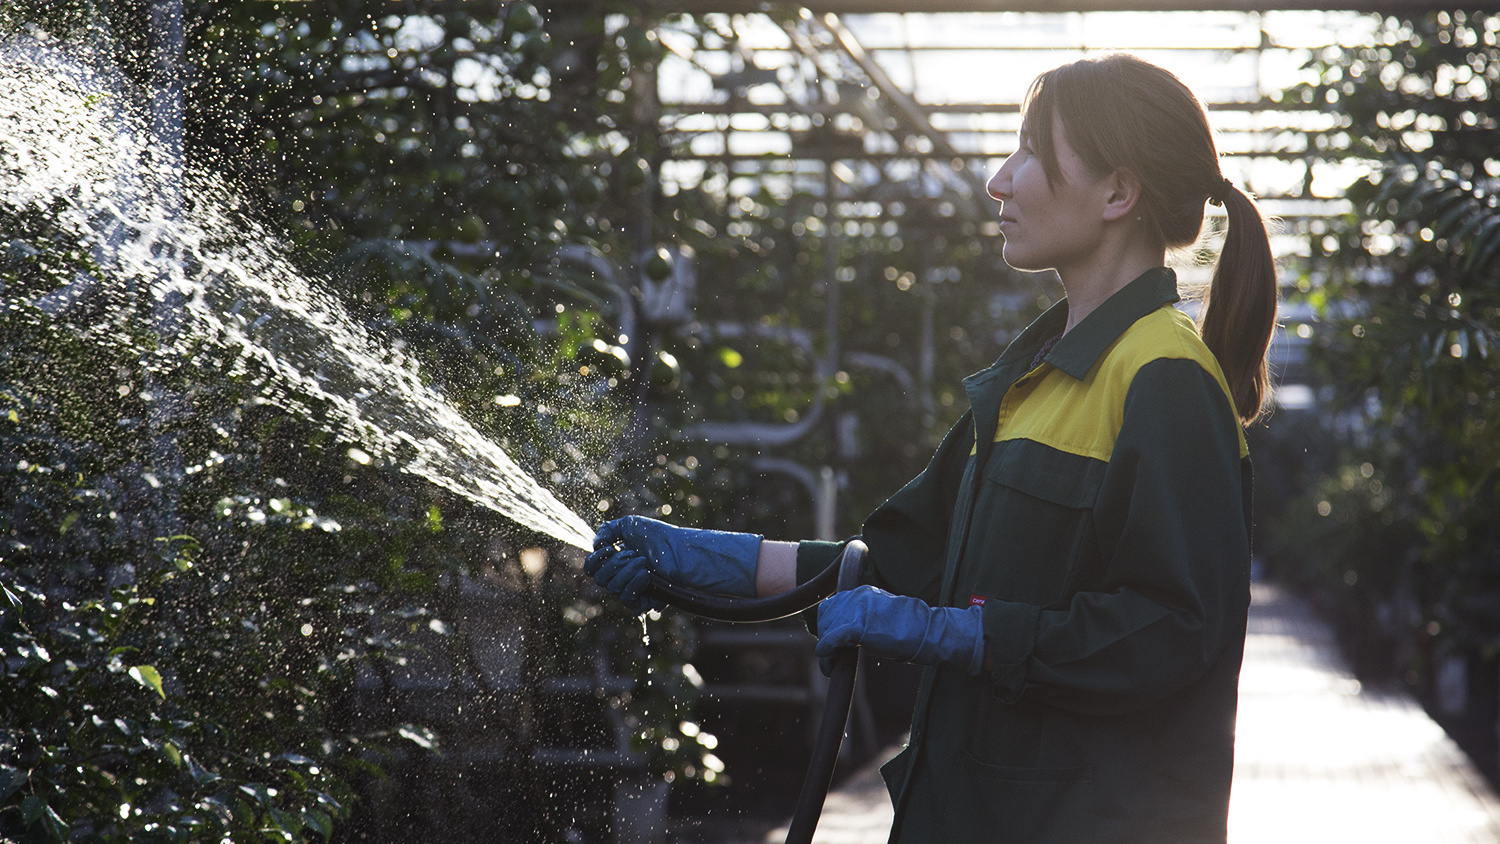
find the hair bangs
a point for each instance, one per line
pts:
(1037, 115)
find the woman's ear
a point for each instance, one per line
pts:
(1124, 192)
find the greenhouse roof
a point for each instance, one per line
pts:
(892, 112)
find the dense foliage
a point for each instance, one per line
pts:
(225, 639)
(1400, 532)
(163, 686)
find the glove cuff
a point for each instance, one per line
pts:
(726, 561)
(972, 620)
(954, 636)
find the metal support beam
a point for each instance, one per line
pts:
(907, 110)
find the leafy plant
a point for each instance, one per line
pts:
(320, 581)
(1404, 526)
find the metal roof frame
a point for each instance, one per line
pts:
(839, 123)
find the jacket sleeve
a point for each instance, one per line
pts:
(1172, 524)
(908, 534)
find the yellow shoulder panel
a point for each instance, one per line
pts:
(1084, 417)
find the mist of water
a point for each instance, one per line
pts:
(70, 144)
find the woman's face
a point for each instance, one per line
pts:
(1048, 226)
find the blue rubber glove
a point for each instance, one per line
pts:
(899, 627)
(625, 574)
(713, 561)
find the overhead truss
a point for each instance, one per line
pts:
(909, 113)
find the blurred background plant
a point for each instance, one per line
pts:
(1396, 529)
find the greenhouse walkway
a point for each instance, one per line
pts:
(1318, 757)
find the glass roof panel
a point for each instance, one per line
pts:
(927, 104)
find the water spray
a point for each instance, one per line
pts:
(72, 144)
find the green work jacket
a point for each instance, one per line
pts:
(1098, 507)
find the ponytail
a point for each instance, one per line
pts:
(1239, 312)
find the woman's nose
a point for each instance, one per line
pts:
(996, 187)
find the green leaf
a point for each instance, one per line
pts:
(320, 822)
(219, 807)
(258, 791)
(289, 824)
(200, 774)
(55, 824)
(1485, 244)
(10, 780)
(327, 800)
(1439, 347)
(1454, 204)
(1471, 223)
(149, 677)
(34, 808)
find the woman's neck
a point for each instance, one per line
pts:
(1088, 284)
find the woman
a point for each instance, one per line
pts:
(1073, 564)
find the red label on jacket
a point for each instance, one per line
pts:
(976, 600)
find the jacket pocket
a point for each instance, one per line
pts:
(1032, 524)
(1040, 471)
(1031, 804)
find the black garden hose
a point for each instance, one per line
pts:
(842, 575)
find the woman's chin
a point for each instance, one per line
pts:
(1017, 260)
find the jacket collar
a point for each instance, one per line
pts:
(1078, 350)
(1075, 354)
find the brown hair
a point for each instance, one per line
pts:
(1122, 113)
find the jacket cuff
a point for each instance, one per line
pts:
(815, 555)
(1010, 636)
